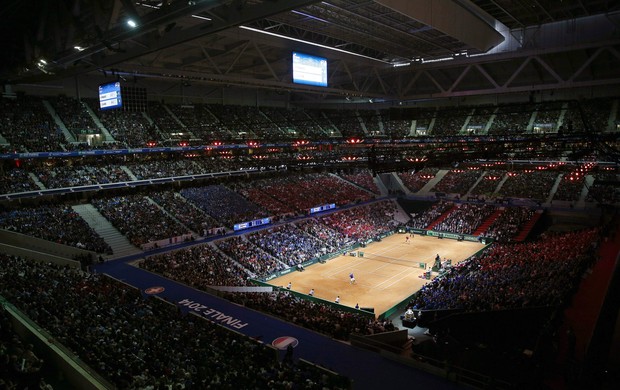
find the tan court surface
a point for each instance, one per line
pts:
(381, 282)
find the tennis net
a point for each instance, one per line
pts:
(392, 260)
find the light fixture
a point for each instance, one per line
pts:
(159, 6)
(311, 43)
(131, 23)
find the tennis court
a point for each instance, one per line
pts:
(388, 272)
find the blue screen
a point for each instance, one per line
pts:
(110, 96)
(309, 70)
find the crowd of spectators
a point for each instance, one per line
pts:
(506, 276)
(332, 238)
(465, 218)
(301, 192)
(275, 123)
(372, 121)
(414, 181)
(138, 344)
(138, 218)
(128, 128)
(153, 167)
(20, 367)
(592, 113)
(532, 185)
(28, 127)
(512, 119)
(14, 180)
(199, 266)
(257, 195)
(363, 178)
(347, 122)
(397, 128)
(569, 188)
(424, 219)
(223, 204)
(262, 125)
(282, 195)
(254, 259)
(318, 316)
(450, 121)
(480, 118)
(200, 122)
(323, 122)
(56, 223)
(457, 181)
(289, 244)
(601, 192)
(74, 115)
(231, 117)
(423, 125)
(509, 223)
(66, 174)
(189, 215)
(158, 168)
(364, 222)
(166, 124)
(296, 121)
(547, 116)
(489, 182)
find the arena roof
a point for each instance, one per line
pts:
(384, 50)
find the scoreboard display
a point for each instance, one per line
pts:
(110, 96)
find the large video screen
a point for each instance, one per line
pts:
(110, 96)
(309, 69)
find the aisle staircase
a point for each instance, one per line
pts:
(107, 136)
(65, 131)
(441, 218)
(484, 226)
(480, 178)
(554, 188)
(383, 191)
(36, 180)
(120, 245)
(528, 226)
(399, 183)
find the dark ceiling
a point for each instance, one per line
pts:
(241, 42)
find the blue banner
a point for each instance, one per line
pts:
(249, 224)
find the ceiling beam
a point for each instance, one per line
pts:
(451, 18)
(225, 16)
